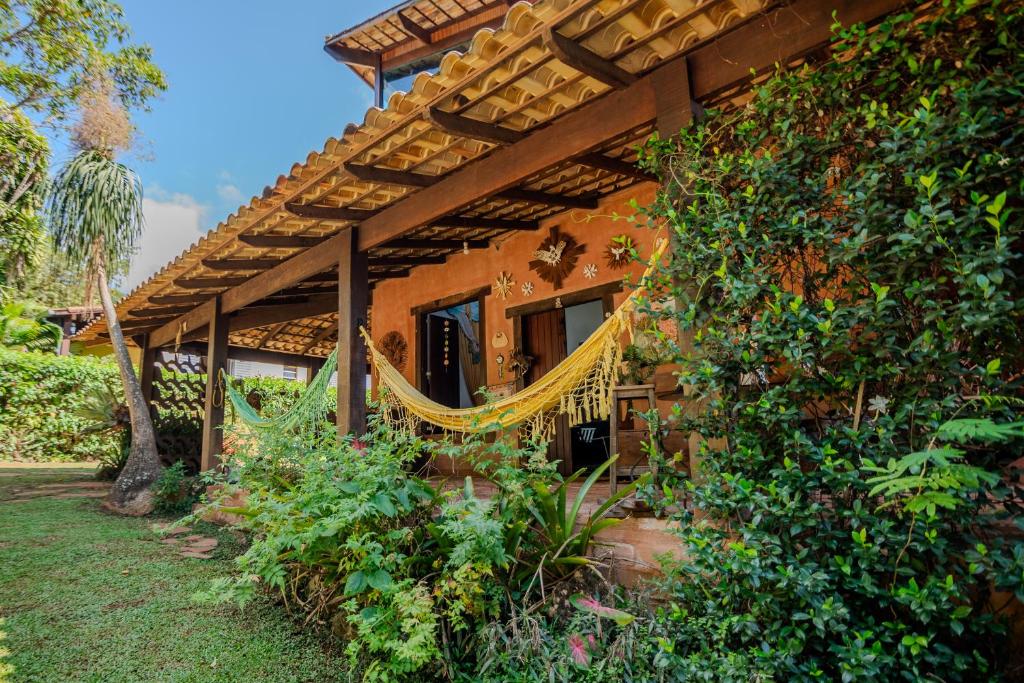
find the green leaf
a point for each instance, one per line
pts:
(384, 505)
(356, 583)
(380, 580)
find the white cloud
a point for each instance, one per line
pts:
(230, 193)
(174, 221)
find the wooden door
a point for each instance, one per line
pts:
(442, 378)
(544, 342)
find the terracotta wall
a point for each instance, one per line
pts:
(393, 299)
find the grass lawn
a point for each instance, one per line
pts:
(86, 596)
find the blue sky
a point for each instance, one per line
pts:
(251, 92)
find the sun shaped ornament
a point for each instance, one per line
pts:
(619, 251)
(590, 271)
(504, 284)
(527, 289)
(556, 257)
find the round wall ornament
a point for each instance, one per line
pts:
(395, 349)
(619, 251)
(556, 257)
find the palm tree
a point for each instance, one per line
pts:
(25, 327)
(95, 213)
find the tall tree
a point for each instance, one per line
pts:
(23, 161)
(50, 48)
(95, 211)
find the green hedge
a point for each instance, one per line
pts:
(39, 396)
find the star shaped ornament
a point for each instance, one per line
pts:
(590, 271)
(527, 288)
(503, 284)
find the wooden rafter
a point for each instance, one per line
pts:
(472, 223)
(617, 166)
(549, 199)
(463, 126)
(415, 30)
(281, 241)
(412, 243)
(328, 213)
(406, 260)
(571, 53)
(323, 335)
(241, 263)
(378, 174)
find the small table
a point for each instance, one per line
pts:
(630, 393)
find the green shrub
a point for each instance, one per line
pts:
(847, 263)
(408, 575)
(40, 397)
(175, 491)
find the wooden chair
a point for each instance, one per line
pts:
(623, 394)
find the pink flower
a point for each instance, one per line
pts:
(359, 446)
(578, 650)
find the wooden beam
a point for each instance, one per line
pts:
(245, 353)
(378, 174)
(281, 241)
(577, 132)
(757, 44)
(140, 323)
(324, 334)
(617, 166)
(549, 199)
(410, 243)
(209, 282)
(241, 263)
(147, 368)
(175, 299)
(485, 223)
(415, 30)
(406, 260)
(158, 311)
(213, 414)
(578, 297)
(571, 53)
(261, 316)
(271, 333)
(328, 213)
(351, 55)
(463, 126)
(353, 291)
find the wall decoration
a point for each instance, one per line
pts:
(447, 342)
(519, 363)
(618, 252)
(395, 349)
(558, 302)
(500, 360)
(527, 289)
(499, 340)
(503, 284)
(590, 271)
(556, 257)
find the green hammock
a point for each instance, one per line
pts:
(310, 410)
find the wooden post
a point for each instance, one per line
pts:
(378, 80)
(353, 287)
(313, 366)
(216, 360)
(147, 369)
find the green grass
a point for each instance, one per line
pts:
(87, 596)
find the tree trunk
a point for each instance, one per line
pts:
(131, 494)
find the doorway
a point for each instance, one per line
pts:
(452, 369)
(548, 337)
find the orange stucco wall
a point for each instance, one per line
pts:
(394, 299)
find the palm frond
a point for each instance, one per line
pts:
(93, 201)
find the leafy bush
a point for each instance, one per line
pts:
(847, 264)
(175, 491)
(408, 574)
(39, 399)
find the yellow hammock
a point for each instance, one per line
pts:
(578, 387)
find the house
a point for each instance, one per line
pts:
(471, 221)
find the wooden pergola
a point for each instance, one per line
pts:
(538, 117)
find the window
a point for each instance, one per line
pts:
(290, 372)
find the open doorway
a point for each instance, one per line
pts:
(452, 369)
(548, 337)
